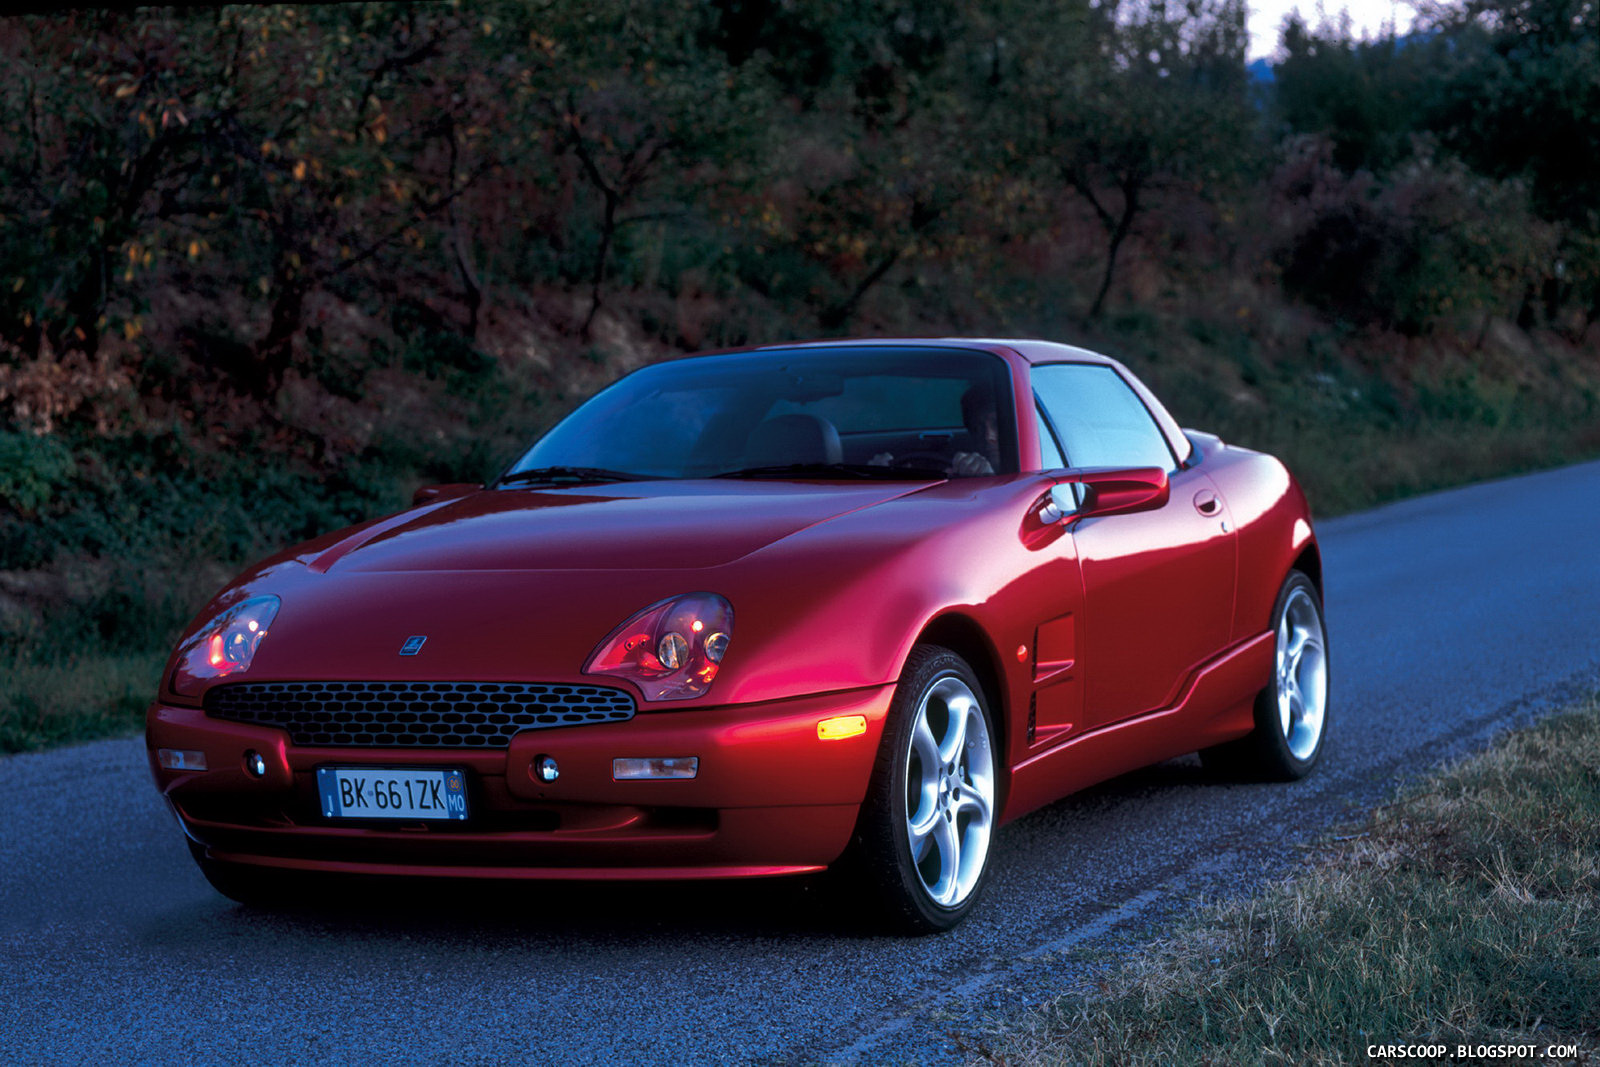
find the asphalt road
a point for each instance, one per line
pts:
(1451, 616)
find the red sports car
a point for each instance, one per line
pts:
(759, 613)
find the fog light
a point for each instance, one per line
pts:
(181, 759)
(655, 767)
(841, 726)
(255, 763)
(545, 769)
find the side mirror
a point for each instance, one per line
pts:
(1106, 491)
(1063, 504)
(430, 494)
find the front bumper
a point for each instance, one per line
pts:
(770, 796)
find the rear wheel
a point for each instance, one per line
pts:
(925, 831)
(1291, 713)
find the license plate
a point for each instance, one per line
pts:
(392, 793)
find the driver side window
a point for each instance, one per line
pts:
(1049, 452)
(1100, 420)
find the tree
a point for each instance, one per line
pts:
(1521, 99)
(1368, 98)
(641, 108)
(171, 137)
(1121, 101)
(889, 162)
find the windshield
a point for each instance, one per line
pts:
(835, 412)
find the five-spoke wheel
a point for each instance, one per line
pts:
(949, 791)
(925, 831)
(1302, 673)
(1291, 713)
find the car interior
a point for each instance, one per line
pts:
(796, 438)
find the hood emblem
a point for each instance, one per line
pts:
(413, 645)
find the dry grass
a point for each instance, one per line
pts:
(74, 698)
(1465, 912)
(82, 646)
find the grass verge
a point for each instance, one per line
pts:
(74, 698)
(1464, 913)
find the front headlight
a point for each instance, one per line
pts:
(225, 644)
(671, 649)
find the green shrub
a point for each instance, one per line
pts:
(33, 469)
(1432, 244)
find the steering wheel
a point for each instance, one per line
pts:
(922, 458)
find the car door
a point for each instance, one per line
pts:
(1158, 586)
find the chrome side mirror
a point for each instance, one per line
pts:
(1081, 492)
(1063, 504)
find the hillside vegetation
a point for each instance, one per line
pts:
(265, 269)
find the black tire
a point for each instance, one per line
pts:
(881, 855)
(255, 887)
(1265, 754)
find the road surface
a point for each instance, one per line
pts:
(1451, 616)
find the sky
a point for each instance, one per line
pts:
(1366, 17)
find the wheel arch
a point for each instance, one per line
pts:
(1309, 562)
(966, 637)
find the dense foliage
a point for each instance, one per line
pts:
(262, 269)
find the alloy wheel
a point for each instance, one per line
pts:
(1302, 674)
(950, 791)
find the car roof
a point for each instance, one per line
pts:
(1031, 349)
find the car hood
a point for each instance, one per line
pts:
(662, 525)
(513, 585)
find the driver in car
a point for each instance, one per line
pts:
(983, 423)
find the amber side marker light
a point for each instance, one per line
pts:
(842, 726)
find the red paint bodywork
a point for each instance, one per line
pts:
(1144, 636)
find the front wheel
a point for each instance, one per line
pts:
(923, 839)
(1291, 713)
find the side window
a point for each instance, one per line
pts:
(1101, 420)
(1049, 453)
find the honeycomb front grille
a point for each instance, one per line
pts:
(415, 714)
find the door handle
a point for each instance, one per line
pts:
(1207, 503)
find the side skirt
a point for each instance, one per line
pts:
(1216, 706)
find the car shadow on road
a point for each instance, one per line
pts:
(827, 905)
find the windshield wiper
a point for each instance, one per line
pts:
(833, 470)
(569, 476)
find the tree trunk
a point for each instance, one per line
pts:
(275, 350)
(608, 228)
(1119, 232)
(836, 315)
(472, 290)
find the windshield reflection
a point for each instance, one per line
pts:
(882, 413)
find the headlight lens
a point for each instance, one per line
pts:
(225, 644)
(672, 649)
